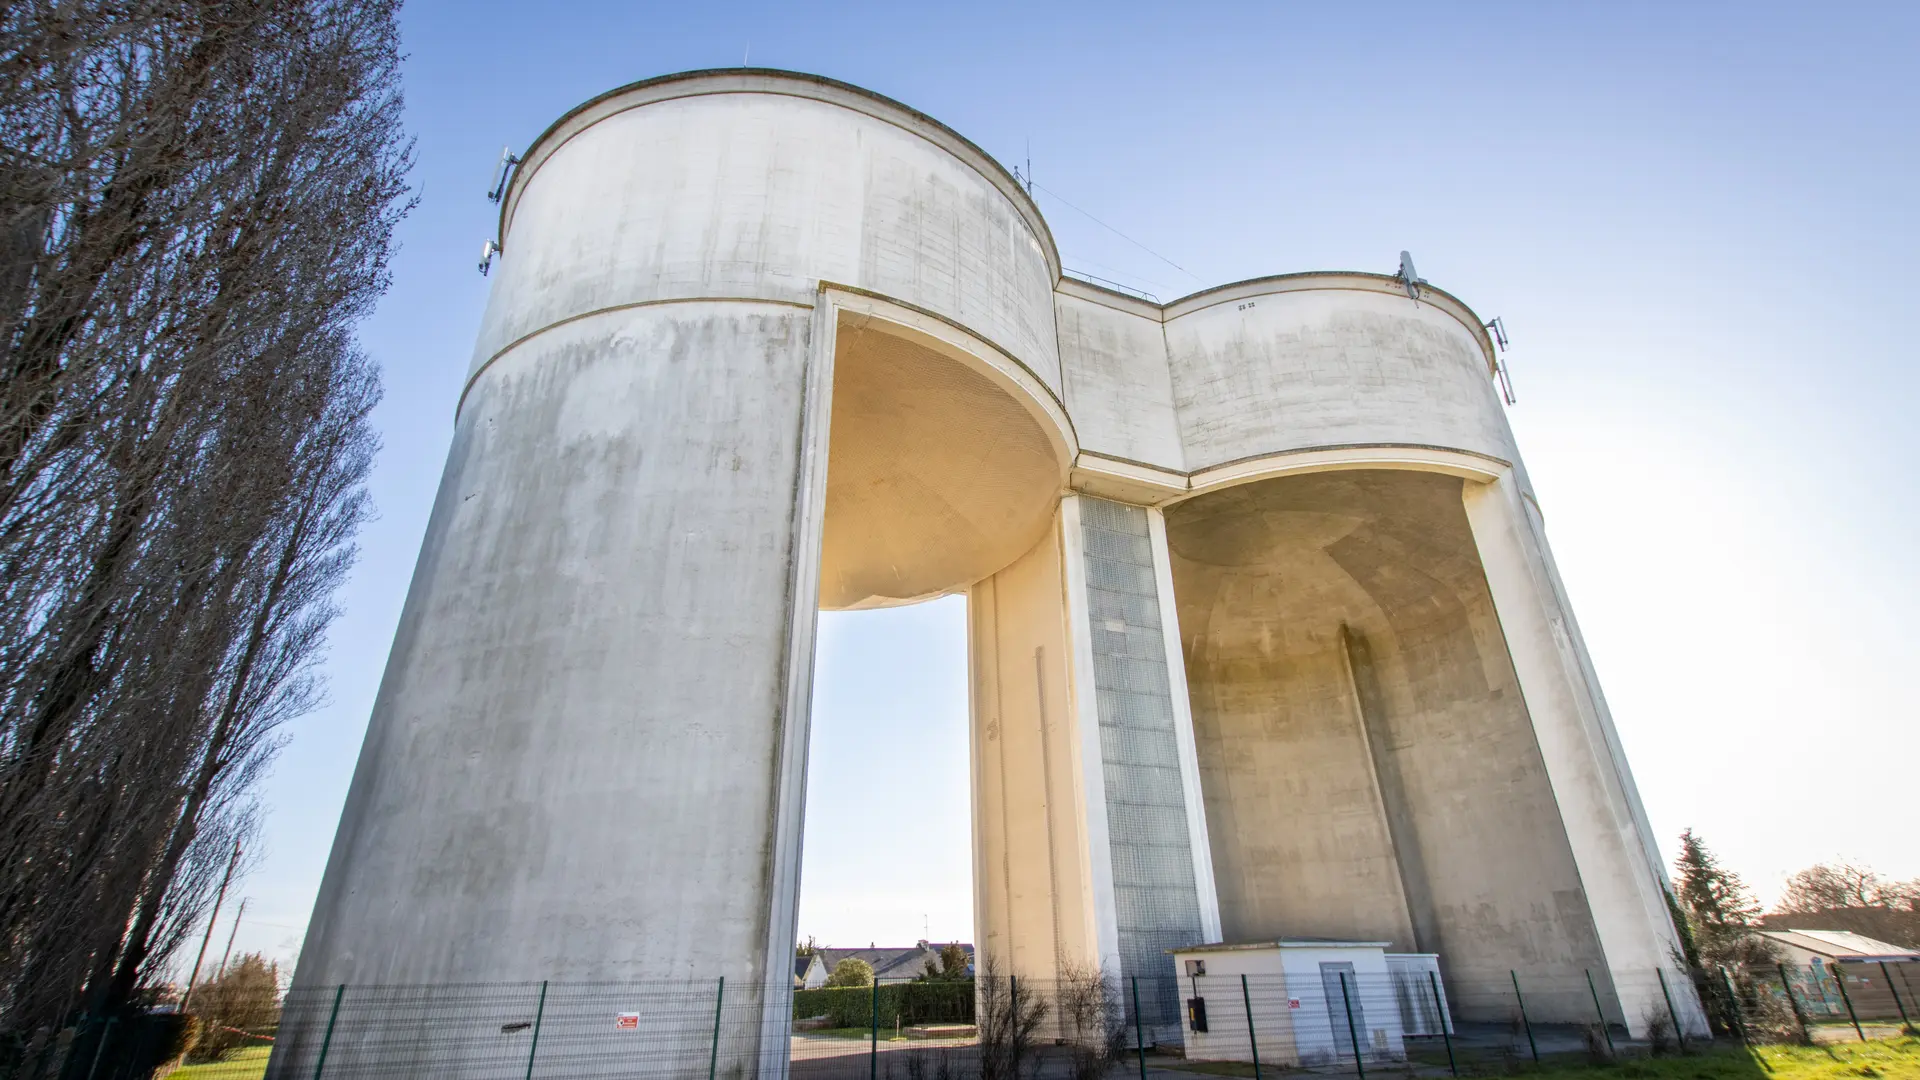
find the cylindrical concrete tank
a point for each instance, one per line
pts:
(1314, 361)
(580, 762)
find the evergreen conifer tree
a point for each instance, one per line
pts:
(1721, 911)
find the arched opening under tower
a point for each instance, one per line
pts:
(1368, 763)
(940, 475)
(937, 477)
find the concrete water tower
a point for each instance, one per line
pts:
(1265, 637)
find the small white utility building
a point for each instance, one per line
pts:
(1307, 1001)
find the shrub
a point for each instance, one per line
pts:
(851, 972)
(900, 1003)
(244, 999)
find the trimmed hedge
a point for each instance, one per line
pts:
(903, 1003)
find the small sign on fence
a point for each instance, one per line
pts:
(1293, 1003)
(627, 1022)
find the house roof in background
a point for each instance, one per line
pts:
(1837, 943)
(891, 964)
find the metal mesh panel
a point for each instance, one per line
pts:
(1156, 905)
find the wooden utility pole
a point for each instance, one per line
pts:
(231, 934)
(225, 881)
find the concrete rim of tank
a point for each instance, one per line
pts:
(748, 80)
(1297, 281)
(751, 80)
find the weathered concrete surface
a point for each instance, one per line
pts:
(1370, 766)
(936, 476)
(1334, 368)
(1606, 825)
(1037, 896)
(1114, 355)
(554, 783)
(755, 185)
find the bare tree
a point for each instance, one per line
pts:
(197, 201)
(1093, 1020)
(1008, 1013)
(1846, 896)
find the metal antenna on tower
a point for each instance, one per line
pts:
(1498, 329)
(1408, 278)
(502, 172)
(497, 190)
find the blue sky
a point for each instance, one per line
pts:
(1697, 221)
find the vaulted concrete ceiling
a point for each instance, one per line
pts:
(936, 477)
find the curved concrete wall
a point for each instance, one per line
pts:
(1370, 766)
(578, 766)
(757, 186)
(1271, 372)
(555, 784)
(1276, 366)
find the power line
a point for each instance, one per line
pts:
(1115, 231)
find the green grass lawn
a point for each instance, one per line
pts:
(863, 1034)
(248, 1064)
(1893, 1059)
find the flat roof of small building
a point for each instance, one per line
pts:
(1282, 943)
(1839, 944)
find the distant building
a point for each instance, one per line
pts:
(891, 964)
(1815, 948)
(1881, 978)
(808, 972)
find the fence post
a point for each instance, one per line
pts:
(327, 1040)
(1905, 1024)
(101, 1048)
(1440, 1010)
(1733, 1005)
(1679, 1033)
(1786, 983)
(539, 1014)
(1013, 1033)
(1840, 980)
(1605, 1031)
(713, 1058)
(1139, 1032)
(1253, 1038)
(1524, 1021)
(1353, 1034)
(873, 1052)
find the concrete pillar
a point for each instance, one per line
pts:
(1620, 871)
(1090, 847)
(1135, 710)
(555, 783)
(1042, 903)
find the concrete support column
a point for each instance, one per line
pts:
(1042, 884)
(1619, 867)
(1205, 889)
(584, 759)
(1139, 732)
(1090, 846)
